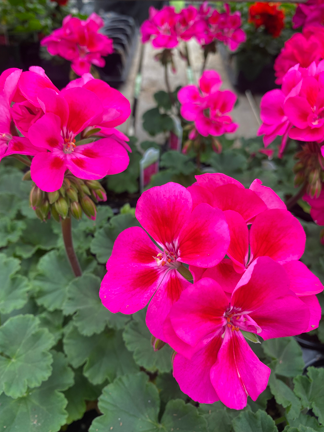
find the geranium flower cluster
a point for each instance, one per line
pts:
(302, 48)
(309, 13)
(243, 248)
(207, 106)
(166, 28)
(80, 42)
(69, 132)
(268, 16)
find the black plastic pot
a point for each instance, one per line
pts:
(9, 57)
(83, 425)
(305, 341)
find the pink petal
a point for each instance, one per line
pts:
(264, 281)
(210, 81)
(96, 160)
(193, 376)
(167, 295)
(47, 170)
(20, 145)
(205, 238)
(315, 311)
(297, 110)
(163, 210)
(239, 245)
(175, 342)
(8, 83)
(190, 111)
(268, 196)
(46, 132)
(282, 317)
(199, 312)
(31, 83)
(189, 94)
(308, 134)
(302, 281)
(83, 106)
(215, 180)
(272, 104)
(238, 372)
(51, 102)
(132, 276)
(277, 234)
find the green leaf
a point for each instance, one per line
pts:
(285, 397)
(154, 122)
(90, 316)
(229, 162)
(131, 404)
(162, 98)
(104, 239)
(9, 205)
(10, 231)
(53, 277)
(178, 162)
(105, 355)
(13, 289)
(219, 418)
(77, 395)
(138, 340)
(36, 235)
(310, 389)
(53, 321)
(251, 337)
(288, 356)
(299, 429)
(42, 408)
(248, 421)
(261, 402)
(308, 421)
(169, 388)
(24, 359)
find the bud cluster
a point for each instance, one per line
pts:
(309, 169)
(75, 197)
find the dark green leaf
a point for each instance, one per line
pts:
(248, 421)
(178, 162)
(90, 316)
(53, 321)
(218, 417)
(154, 122)
(163, 100)
(285, 397)
(9, 205)
(41, 409)
(105, 355)
(24, 360)
(36, 235)
(138, 340)
(308, 421)
(288, 356)
(169, 388)
(10, 231)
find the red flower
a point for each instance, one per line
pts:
(267, 15)
(61, 2)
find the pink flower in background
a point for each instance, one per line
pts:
(317, 207)
(227, 28)
(310, 13)
(189, 24)
(161, 28)
(207, 106)
(138, 269)
(214, 361)
(80, 42)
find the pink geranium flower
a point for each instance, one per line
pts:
(207, 106)
(80, 42)
(317, 207)
(227, 27)
(161, 28)
(310, 13)
(139, 269)
(214, 361)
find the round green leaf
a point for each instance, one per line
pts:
(9, 205)
(53, 277)
(43, 408)
(36, 235)
(105, 355)
(248, 421)
(287, 354)
(169, 388)
(24, 359)
(90, 316)
(138, 340)
(10, 231)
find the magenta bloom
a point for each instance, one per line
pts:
(310, 13)
(190, 24)
(226, 28)
(139, 269)
(207, 106)
(80, 42)
(214, 361)
(317, 207)
(161, 28)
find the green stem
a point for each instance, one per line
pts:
(167, 83)
(68, 243)
(204, 63)
(295, 198)
(22, 159)
(280, 420)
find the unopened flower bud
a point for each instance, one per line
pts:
(62, 191)
(76, 210)
(93, 184)
(157, 344)
(315, 189)
(313, 176)
(53, 196)
(85, 189)
(27, 176)
(99, 195)
(88, 207)
(298, 167)
(62, 207)
(72, 194)
(55, 214)
(36, 196)
(42, 211)
(66, 183)
(299, 179)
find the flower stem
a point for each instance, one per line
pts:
(167, 83)
(204, 63)
(68, 243)
(293, 200)
(22, 159)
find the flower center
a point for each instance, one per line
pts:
(68, 146)
(5, 137)
(167, 259)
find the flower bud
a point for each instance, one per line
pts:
(322, 236)
(53, 196)
(36, 196)
(66, 183)
(313, 176)
(99, 195)
(315, 189)
(76, 210)
(62, 191)
(299, 179)
(27, 176)
(93, 184)
(42, 211)
(55, 214)
(88, 207)
(62, 207)
(157, 344)
(72, 194)
(298, 167)
(85, 189)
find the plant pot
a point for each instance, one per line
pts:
(310, 342)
